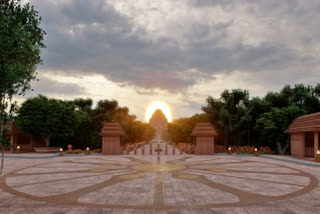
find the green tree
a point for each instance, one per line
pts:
(180, 130)
(273, 125)
(46, 118)
(21, 39)
(228, 113)
(136, 131)
(139, 131)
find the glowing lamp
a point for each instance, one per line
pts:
(318, 152)
(255, 149)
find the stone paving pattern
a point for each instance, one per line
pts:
(158, 184)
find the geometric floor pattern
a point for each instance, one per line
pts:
(158, 184)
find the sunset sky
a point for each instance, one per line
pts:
(176, 51)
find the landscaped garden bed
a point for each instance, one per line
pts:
(244, 150)
(79, 152)
(47, 149)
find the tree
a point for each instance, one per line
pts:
(228, 112)
(20, 43)
(273, 125)
(180, 130)
(136, 131)
(46, 118)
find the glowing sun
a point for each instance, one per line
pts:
(158, 105)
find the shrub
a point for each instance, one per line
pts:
(244, 150)
(220, 149)
(97, 151)
(77, 151)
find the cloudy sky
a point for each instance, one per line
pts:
(179, 52)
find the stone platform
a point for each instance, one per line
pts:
(158, 184)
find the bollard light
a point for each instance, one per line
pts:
(318, 156)
(18, 149)
(229, 150)
(255, 149)
(61, 152)
(87, 151)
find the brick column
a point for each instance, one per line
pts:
(316, 143)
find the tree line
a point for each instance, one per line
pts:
(257, 121)
(77, 122)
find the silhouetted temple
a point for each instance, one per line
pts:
(159, 122)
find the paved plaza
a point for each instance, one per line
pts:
(35, 183)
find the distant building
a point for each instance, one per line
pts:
(26, 142)
(159, 122)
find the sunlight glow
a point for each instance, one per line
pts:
(158, 105)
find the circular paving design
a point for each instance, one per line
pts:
(142, 182)
(156, 167)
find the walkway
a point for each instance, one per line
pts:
(158, 184)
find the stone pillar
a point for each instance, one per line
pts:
(166, 149)
(188, 150)
(111, 138)
(204, 138)
(69, 148)
(316, 143)
(150, 149)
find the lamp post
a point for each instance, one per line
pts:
(61, 152)
(256, 152)
(18, 149)
(229, 150)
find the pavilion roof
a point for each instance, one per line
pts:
(204, 129)
(112, 129)
(307, 123)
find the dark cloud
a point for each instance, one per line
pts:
(92, 37)
(48, 86)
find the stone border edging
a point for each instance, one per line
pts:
(299, 162)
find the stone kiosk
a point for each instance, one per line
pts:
(203, 134)
(111, 137)
(27, 143)
(305, 136)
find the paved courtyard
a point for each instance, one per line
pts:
(157, 184)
